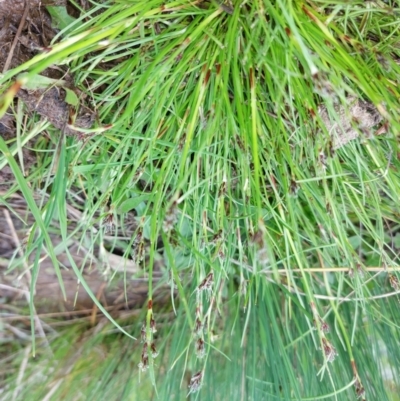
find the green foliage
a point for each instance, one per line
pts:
(218, 144)
(59, 17)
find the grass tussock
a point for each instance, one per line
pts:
(257, 143)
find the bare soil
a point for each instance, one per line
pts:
(25, 30)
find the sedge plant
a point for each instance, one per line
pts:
(280, 249)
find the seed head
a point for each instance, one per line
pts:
(25, 240)
(222, 189)
(324, 326)
(144, 350)
(329, 350)
(200, 348)
(198, 327)
(153, 325)
(139, 236)
(108, 223)
(138, 246)
(143, 336)
(144, 363)
(360, 391)
(216, 238)
(154, 352)
(195, 382)
(207, 283)
(139, 254)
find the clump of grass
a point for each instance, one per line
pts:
(216, 139)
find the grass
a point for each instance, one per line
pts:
(260, 219)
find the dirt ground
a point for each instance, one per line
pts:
(25, 30)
